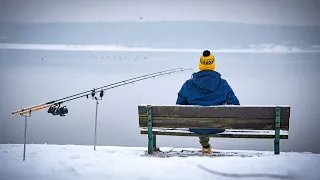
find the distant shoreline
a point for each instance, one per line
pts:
(264, 48)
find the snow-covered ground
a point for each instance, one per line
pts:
(109, 163)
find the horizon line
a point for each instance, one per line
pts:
(163, 21)
(264, 48)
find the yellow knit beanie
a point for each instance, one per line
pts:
(207, 61)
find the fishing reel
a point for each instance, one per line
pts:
(93, 94)
(57, 110)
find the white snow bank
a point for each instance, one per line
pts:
(82, 162)
(263, 48)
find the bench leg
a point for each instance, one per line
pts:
(276, 147)
(154, 142)
(277, 132)
(150, 135)
(150, 143)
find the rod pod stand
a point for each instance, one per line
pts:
(25, 133)
(96, 118)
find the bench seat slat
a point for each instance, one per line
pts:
(225, 123)
(229, 133)
(221, 111)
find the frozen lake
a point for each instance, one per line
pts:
(30, 77)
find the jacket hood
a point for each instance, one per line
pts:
(207, 80)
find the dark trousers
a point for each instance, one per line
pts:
(204, 141)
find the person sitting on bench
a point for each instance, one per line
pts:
(206, 88)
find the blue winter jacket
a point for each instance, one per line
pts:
(206, 88)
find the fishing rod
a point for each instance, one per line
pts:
(37, 107)
(45, 105)
(54, 106)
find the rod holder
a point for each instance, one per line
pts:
(96, 121)
(25, 133)
(96, 124)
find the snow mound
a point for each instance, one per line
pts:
(82, 162)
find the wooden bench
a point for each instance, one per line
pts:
(262, 122)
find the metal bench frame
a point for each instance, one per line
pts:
(162, 131)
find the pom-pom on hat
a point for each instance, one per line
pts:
(207, 61)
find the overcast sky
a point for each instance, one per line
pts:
(288, 12)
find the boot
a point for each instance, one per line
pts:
(206, 150)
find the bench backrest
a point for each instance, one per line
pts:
(224, 116)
